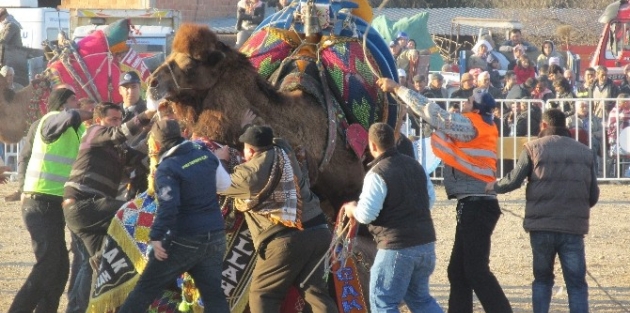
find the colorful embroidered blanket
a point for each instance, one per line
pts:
(124, 258)
(350, 78)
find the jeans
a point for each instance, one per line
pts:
(570, 250)
(286, 261)
(469, 268)
(47, 280)
(403, 274)
(90, 218)
(81, 280)
(200, 256)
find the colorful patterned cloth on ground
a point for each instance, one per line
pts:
(125, 257)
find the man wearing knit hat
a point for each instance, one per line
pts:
(286, 223)
(188, 233)
(55, 147)
(466, 142)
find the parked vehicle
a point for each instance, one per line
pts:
(613, 49)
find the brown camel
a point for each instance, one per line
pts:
(16, 111)
(212, 85)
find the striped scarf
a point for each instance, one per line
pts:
(280, 199)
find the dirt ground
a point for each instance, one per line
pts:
(607, 252)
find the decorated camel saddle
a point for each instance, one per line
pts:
(338, 67)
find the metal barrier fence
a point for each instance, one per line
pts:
(609, 138)
(518, 121)
(11, 154)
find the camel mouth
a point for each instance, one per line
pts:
(155, 97)
(155, 94)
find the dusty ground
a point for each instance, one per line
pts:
(608, 256)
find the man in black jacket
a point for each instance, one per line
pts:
(395, 204)
(89, 195)
(561, 189)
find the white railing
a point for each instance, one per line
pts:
(611, 145)
(11, 155)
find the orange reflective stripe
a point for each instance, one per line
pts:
(477, 157)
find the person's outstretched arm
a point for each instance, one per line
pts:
(454, 125)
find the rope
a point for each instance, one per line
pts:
(329, 256)
(599, 286)
(66, 63)
(86, 72)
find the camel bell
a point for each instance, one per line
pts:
(311, 21)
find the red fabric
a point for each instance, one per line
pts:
(582, 135)
(522, 74)
(93, 49)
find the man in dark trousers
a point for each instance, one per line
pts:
(286, 223)
(55, 148)
(188, 233)
(90, 193)
(395, 204)
(466, 142)
(561, 190)
(132, 105)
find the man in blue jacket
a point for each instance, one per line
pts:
(188, 232)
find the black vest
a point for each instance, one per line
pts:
(405, 219)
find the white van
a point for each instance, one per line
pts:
(39, 24)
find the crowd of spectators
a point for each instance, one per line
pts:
(528, 85)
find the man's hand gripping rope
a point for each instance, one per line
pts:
(341, 246)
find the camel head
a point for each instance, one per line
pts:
(191, 70)
(207, 83)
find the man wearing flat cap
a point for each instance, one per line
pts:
(129, 89)
(187, 234)
(10, 33)
(273, 191)
(55, 148)
(466, 142)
